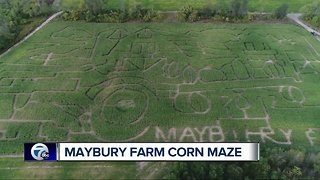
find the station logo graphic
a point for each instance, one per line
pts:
(40, 152)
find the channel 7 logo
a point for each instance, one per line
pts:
(40, 152)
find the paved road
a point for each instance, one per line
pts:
(296, 18)
(33, 32)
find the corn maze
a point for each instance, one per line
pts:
(161, 82)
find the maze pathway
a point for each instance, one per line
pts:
(165, 82)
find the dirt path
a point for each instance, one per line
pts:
(33, 32)
(12, 156)
(296, 18)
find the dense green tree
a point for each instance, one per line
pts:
(69, 5)
(5, 35)
(239, 8)
(311, 10)
(275, 163)
(282, 11)
(95, 7)
(16, 13)
(251, 169)
(188, 13)
(221, 7)
(207, 11)
(316, 163)
(311, 13)
(233, 171)
(293, 173)
(31, 7)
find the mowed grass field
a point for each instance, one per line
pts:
(167, 5)
(85, 82)
(15, 168)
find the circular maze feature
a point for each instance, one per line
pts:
(124, 107)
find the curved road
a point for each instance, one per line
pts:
(296, 18)
(33, 32)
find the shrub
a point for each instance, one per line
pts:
(311, 13)
(311, 10)
(221, 8)
(138, 12)
(90, 17)
(239, 8)
(112, 17)
(259, 17)
(315, 21)
(143, 14)
(94, 7)
(151, 16)
(207, 12)
(188, 14)
(73, 15)
(281, 12)
(6, 37)
(124, 15)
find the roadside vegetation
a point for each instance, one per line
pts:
(276, 163)
(19, 17)
(311, 13)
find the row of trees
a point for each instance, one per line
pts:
(274, 164)
(235, 10)
(15, 13)
(97, 11)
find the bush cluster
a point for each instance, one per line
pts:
(112, 16)
(236, 11)
(311, 13)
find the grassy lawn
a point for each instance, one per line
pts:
(16, 168)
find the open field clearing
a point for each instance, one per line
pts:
(15, 168)
(254, 5)
(81, 82)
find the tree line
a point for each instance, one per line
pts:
(275, 163)
(14, 14)
(98, 11)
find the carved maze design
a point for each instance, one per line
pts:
(73, 82)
